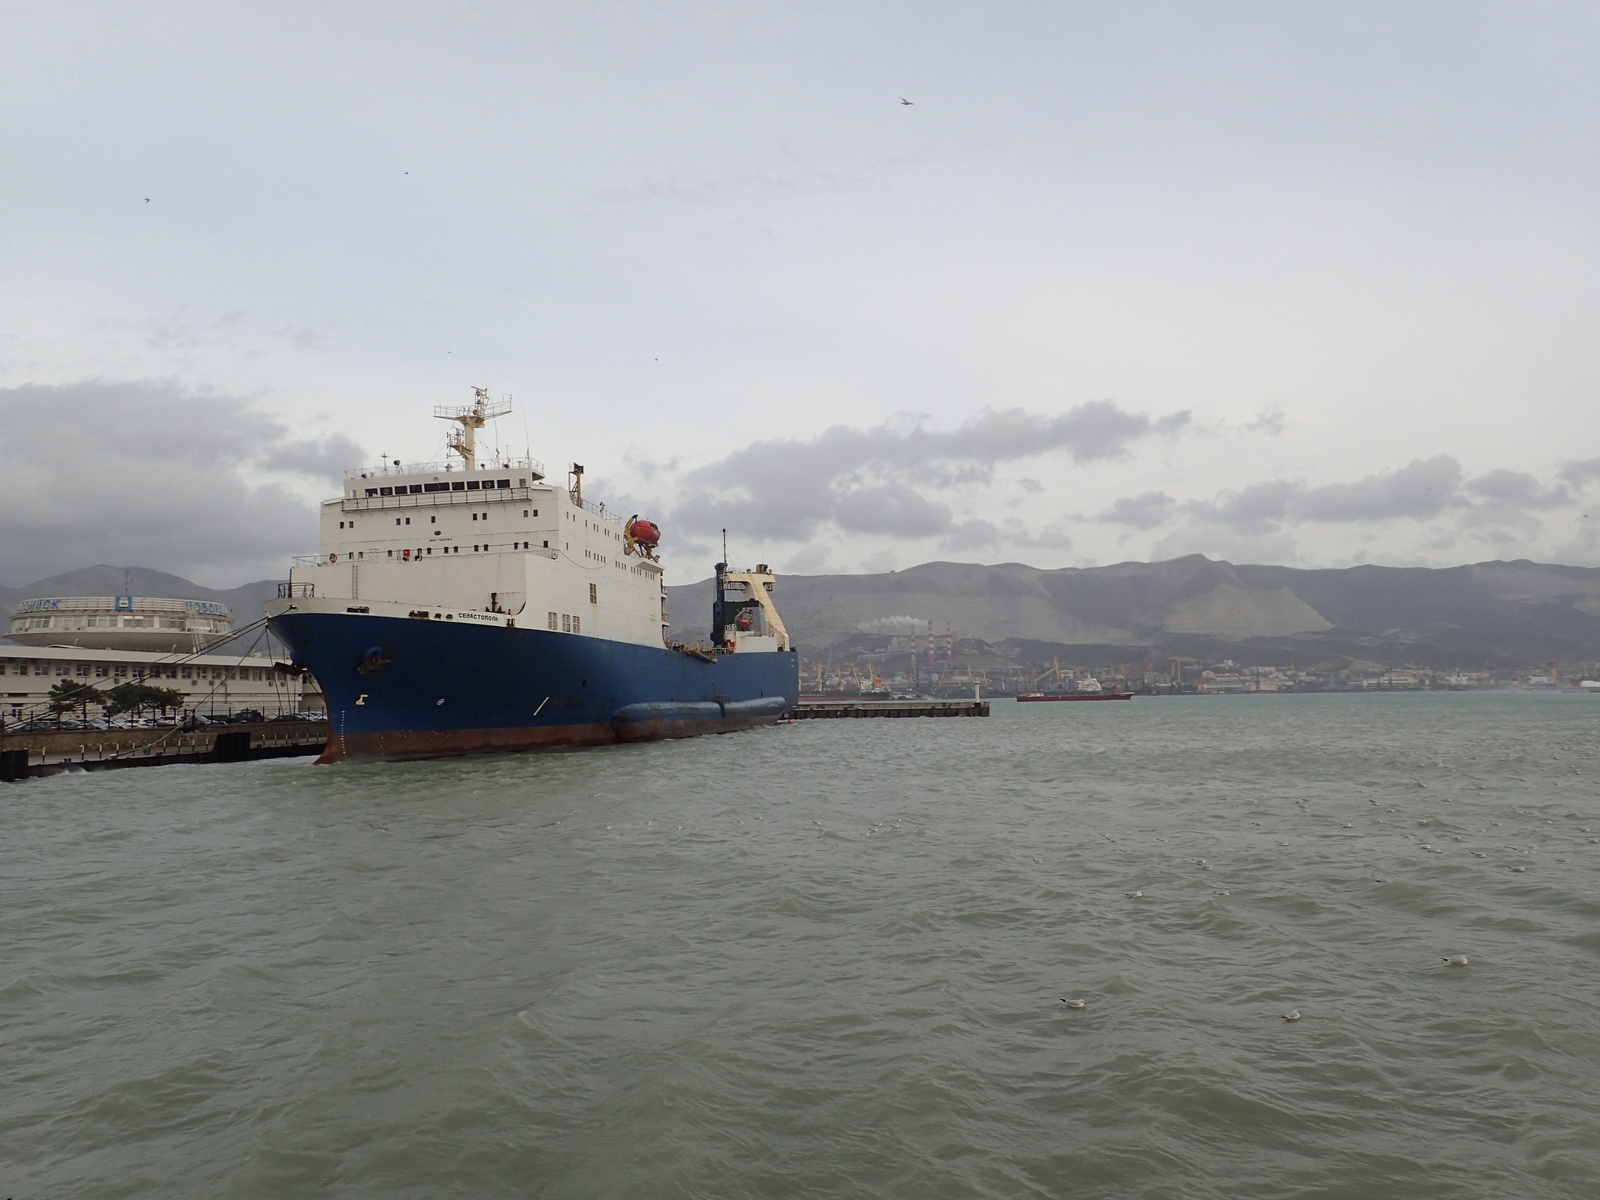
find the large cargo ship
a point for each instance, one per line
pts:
(472, 605)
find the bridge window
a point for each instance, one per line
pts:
(473, 485)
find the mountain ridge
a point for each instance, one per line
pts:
(1499, 609)
(1506, 611)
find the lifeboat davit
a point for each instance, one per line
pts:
(646, 533)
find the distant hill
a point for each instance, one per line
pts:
(1501, 612)
(1494, 613)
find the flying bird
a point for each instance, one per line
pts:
(903, 100)
(147, 199)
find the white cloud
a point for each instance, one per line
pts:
(153, 474)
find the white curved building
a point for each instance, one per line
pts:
(120, 623)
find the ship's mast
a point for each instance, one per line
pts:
(471, 417)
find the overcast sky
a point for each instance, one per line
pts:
(1312, 284)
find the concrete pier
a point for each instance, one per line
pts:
(830, 710)
(48, 752)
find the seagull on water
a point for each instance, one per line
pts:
(1138, 895)
(1072, 1003)
(1292, 1015)
(1457, 960)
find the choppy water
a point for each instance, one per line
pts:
(826, 960)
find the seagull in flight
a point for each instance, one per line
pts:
(903, 100)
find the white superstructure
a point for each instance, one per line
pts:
(467, 536)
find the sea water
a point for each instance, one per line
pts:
(829, 959)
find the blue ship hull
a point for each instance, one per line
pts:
(401, 688)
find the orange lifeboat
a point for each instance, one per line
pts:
(646, 533)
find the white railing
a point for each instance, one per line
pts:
(418, 499)
(531, 465)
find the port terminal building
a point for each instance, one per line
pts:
(104, 641)
(120, 623)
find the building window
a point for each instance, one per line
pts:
(433, 520)
(566, 622)
(594, 594)
(547, 543)
(408, 520)
(397, 520)
(575, 626)
(553, 624)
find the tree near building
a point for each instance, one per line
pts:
(134, 697)
(68, 695)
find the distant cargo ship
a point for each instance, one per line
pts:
(1032, 697)
(469, 606)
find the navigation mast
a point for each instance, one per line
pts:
(471, 417)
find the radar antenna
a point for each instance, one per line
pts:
(471, 417)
